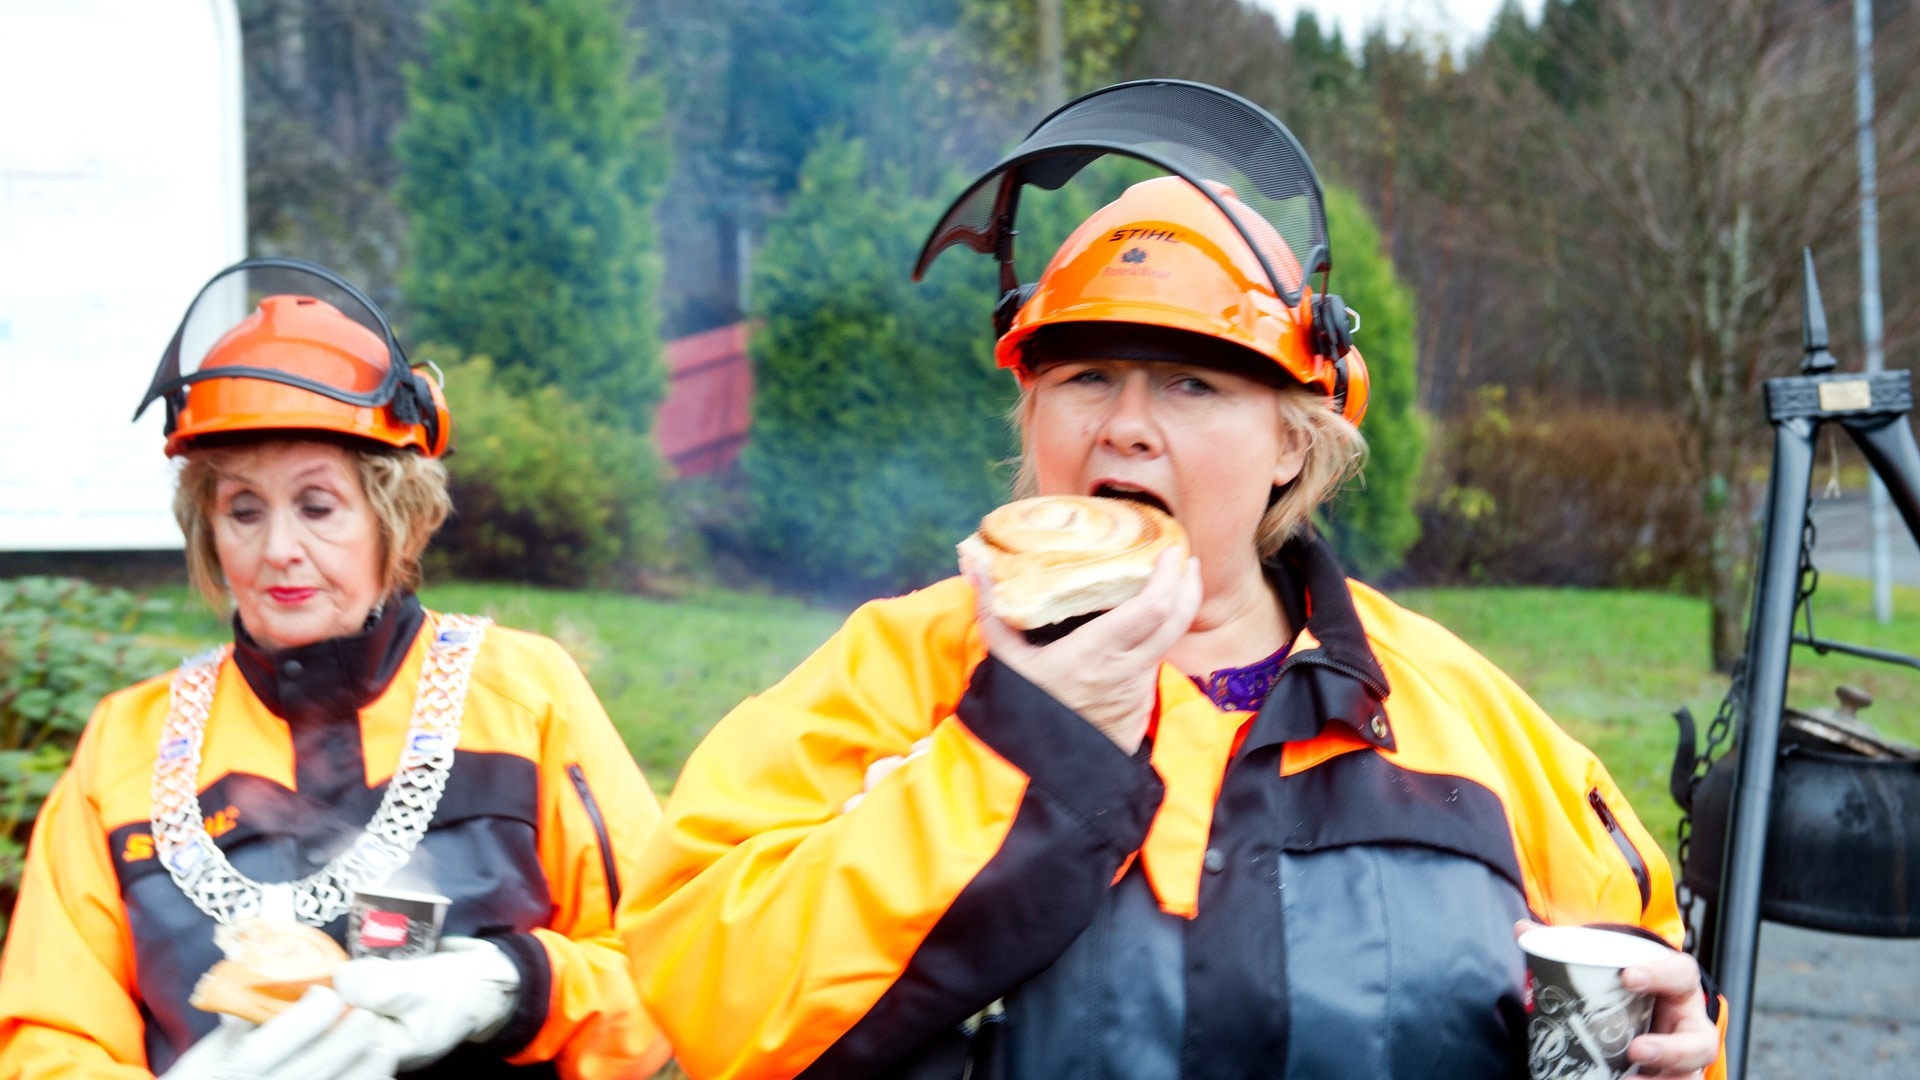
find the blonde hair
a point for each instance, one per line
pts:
(407, 491)
(1336, 452)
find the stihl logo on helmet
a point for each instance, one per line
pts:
(1168, 235)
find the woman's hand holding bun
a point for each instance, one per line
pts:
(1108, 669)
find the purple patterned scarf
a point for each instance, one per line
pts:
(1243, 689)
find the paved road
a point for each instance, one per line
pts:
(1841, 533)
(1830, 1005)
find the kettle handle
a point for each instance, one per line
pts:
(1686, 755)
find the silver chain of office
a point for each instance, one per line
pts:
(201, 869)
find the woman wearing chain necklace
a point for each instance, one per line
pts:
(346, 739)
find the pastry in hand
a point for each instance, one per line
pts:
(1059, 558)
(269, 965)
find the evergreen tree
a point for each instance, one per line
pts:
(794, 71)
(324, 92)
(1576, 44)
(1374, 522)
(1512, 47)
(532, 158)
(1327, 65)
(879, 418)
(1096, 35)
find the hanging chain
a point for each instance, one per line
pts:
(200, 868)
(1809, 576)
(1728, 718)
(1725, 720)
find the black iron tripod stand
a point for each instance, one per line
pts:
(1873, 411)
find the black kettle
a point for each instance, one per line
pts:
(1843, 841)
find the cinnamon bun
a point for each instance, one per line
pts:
(1058, 557)
(269, 965)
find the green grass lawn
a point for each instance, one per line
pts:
(664, 670)
(1613, 666)
(1610, 666)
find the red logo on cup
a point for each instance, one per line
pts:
(383, 930)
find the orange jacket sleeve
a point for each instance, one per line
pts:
(597, 815)
(784, 932)
(66, 1002)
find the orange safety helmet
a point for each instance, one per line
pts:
(1221, 249)
(297, 362)
(1165, 255)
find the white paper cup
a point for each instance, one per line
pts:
(1580, 1017)
(394, 924)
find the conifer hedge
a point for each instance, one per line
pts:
(1373, 522)
(533, 154)
(879, 431)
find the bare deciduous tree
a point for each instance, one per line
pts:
(1720, 144)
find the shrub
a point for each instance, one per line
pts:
(1373, 522)
(64, 644)
(543, 492)
(533, 154)
(1533, 492)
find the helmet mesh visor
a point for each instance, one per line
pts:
(234, 296)
(304, 306)
(1202, 131)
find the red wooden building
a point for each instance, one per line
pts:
(703, 422)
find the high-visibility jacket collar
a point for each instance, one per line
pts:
(330, 680)
(1330, 684)
(1330, 674)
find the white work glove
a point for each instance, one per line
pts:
(464, 992)
(316, 1038)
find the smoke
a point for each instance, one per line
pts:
(416, 874)
(757, 87)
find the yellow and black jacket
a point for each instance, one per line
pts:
(534, 838)
(1324, 888)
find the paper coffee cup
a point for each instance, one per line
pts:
(1580, 1019)
(394, 924)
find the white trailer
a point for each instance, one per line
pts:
(122, 189)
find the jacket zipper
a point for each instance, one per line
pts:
(599, 830)
(1314, 659)
(1634, 861)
